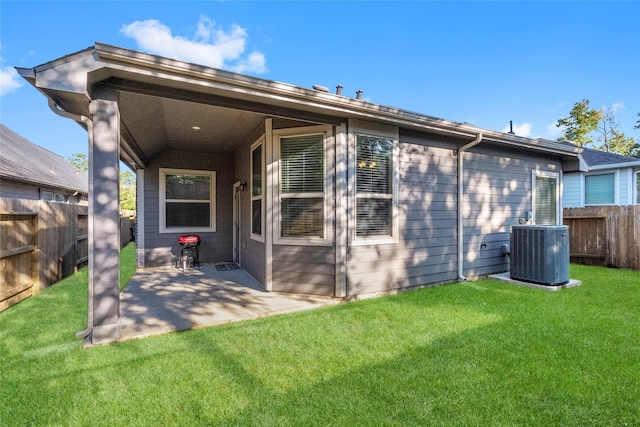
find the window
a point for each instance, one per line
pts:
(599, 189)
(546, 195)
(52, 197)
(638, 188)
(302, 186)
(187, 200)
(257, 190)
(374, 187)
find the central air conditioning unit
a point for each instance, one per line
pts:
(540, 254)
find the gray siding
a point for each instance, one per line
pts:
(252, 251)
(498, 189)
(304, 269)
(426, 249)
(17, 190)
(161, 248)
(10, 189)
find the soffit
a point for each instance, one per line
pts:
(158, 124)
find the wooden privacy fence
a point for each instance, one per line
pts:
(40, 243)
(604, 235)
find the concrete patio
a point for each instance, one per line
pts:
(157, 301)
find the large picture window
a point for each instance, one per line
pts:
(374, 187)
(302, 186)
(599, 189)
(546, 210)
(187, 200)
(257, 190)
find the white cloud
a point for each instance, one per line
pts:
(554, 132)
(617, 106)
(523, 129)
(211, 45)
(9, 78)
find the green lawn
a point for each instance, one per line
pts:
(481, 353)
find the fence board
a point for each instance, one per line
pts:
(18, 275)
(605, 235)
(40, 243)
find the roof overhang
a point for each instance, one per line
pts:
(70, 82)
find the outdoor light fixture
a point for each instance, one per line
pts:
(196, 128)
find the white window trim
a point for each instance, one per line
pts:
(616, 183)
(377, 131)
(329, 147)
(547, 174)
(258, 237)
(162, 201)
(636, 188)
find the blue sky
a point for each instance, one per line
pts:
(484, 63)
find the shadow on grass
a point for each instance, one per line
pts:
(481, 353)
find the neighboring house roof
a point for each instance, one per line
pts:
(602, 158)
(597, 159)
(22, 160)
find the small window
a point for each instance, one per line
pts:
(53, 197)
(302, 186)
(257, 190)
(546, 195)
(187, 200)
(374, 187)
(638, 188)
(599, 189)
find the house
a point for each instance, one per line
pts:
(608, 179)
(30, 172)
(308, 191)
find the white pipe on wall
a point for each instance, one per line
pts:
(461, 151)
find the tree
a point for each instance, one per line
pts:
(611, 140)
(127, 190)
(80, 161)
(127, 180)
(581, 121)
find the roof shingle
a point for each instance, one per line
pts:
(25, 161)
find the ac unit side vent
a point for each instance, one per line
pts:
(540, 254)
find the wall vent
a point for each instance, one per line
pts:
(540, 254)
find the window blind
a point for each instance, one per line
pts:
(302, 186)
(599, 189)
(374, 186)
(373, 217)
(302, 164)
(373, 169)
(188, 187)
(546, 203)
(302, 217)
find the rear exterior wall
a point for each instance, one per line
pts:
(301, 268)
(426, 249)
(497, 193)
(162, 248)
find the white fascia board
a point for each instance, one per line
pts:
(268, 91)
(615, 166)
